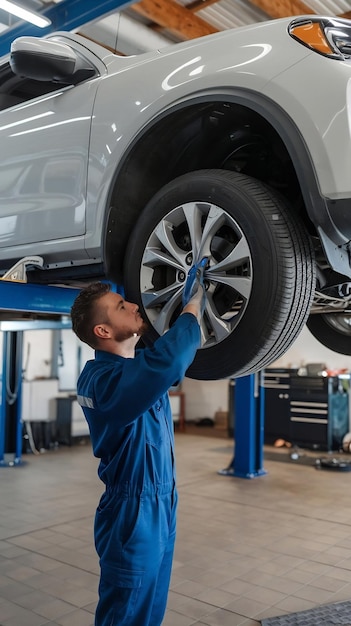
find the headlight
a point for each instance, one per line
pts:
(325, 35)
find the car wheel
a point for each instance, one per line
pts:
(333, 330)
(260, 278)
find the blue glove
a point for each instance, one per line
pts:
(194, 289)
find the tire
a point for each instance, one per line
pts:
(260, 282)
(333, 330)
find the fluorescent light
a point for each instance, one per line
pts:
(25, 14)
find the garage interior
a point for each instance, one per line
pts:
(271, 540)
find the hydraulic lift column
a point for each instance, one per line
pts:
(247, 461)
(11, 436)
(249, 426)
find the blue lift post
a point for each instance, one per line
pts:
(28, 298)
(249, 428)
(10, 420)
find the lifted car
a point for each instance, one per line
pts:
(235, 146)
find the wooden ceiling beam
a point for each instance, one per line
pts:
(174, 17)
(282, 8)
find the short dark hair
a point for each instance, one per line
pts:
(83, 311)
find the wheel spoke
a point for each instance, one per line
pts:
(204, 332)
(153, 298)
(215, 219)
(164, 233)
(193, 216)
(154, 256)
(220, 328)
(241, 284)
(164, 318)
(238, 256)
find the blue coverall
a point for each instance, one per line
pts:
(125, 401)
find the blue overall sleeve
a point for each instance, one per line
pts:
(129, 387)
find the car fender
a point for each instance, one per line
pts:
(127, 104)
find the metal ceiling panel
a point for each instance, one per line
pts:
(228, 14)
(225, 14)
(329, 7)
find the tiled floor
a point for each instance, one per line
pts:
(246, 549)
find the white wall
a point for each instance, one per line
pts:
(75, 354)
(37, 356)
(204, 397)
(306, 349)
(37, 353)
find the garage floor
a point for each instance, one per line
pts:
(246, 549)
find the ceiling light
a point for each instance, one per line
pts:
(25, 14)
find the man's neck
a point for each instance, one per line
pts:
(125, 348)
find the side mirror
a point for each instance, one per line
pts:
(43, 59)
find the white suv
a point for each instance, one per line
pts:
(234, 146)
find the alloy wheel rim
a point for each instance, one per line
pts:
(184, 236)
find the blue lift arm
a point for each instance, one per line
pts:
(33, 298)
(66, 15)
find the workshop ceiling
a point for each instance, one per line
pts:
(134, 27)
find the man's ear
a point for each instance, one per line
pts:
(101, 331)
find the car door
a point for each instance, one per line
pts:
(44, 138)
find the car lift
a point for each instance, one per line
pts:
(53, 304)
(247, 461)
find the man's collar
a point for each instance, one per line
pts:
(102, 355)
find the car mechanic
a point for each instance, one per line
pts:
(124, 396)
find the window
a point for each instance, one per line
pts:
(15, 89)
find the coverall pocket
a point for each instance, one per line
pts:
(133, 516)
(118, 592)
(105, 503)
(155, 428)
(117, 526)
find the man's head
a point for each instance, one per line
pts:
(102, 318)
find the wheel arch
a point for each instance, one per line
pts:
(194, 134)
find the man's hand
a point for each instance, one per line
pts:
(194, 295)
